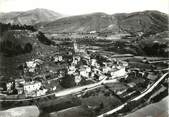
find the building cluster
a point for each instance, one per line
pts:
(90, 68)
(81, 66)
(32, 66)
(26, 88)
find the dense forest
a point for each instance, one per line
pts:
(6, 27)
(19, 39)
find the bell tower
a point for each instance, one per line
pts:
(75, 46)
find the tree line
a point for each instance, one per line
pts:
(6, 27)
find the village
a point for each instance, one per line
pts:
(82, 67)
(78, 68)
(77, 75)
(84, 58)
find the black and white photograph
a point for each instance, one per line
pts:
(84, 58)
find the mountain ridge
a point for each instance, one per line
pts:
(145, 21)
(47, 21)
(29, 17)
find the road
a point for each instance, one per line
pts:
(95, 85)
(66, 91)
(136, 98)
(159, 109)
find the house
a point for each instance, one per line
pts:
(84, 73)
(152, 76)
(96, 71)
(132, 84)
(38, 61)
(85, 70)
(20, 90)
(31, 65)
(9, 87)
(41, 92)
(93, 62)
(19, 83)
(76, 59)
(92, 32)
(101, 77)
(119, 73)
(1, 89)
(106, 69)
(31, 87)
(125, 64)
(91, 74)
(78, 78)
(120, 92)
(71, 69)
(85, 67)
(85, 61)
(58, 58)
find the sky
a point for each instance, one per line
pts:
(76, 7)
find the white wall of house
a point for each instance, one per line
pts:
(32, 87)
(119, 73)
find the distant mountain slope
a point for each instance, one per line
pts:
(82, 23)
(146, 22)
(30, 17)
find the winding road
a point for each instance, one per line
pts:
(138, 97)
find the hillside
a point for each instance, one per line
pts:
(146, 22)
(16, 40)
(30, 17)
(82, 23)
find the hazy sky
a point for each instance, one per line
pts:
(75, 7)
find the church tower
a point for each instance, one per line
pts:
(75, 46)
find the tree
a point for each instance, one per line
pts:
(28, 48)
